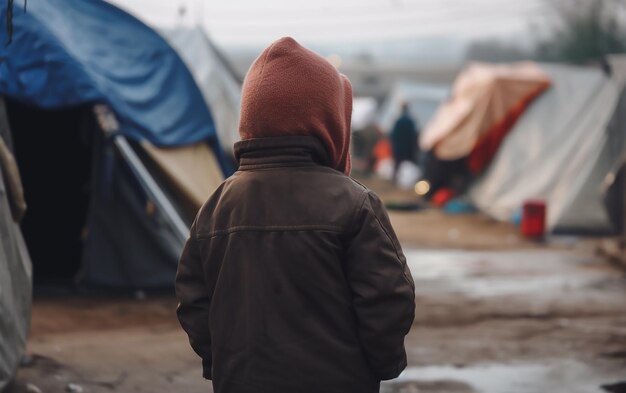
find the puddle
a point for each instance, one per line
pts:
(498, 273)
(555, 376)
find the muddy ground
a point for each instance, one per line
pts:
(495, 313)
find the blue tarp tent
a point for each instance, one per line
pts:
(68, 52)
(102, 205)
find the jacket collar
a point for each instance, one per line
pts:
(280, 152)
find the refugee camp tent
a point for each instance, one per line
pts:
(422, 99)
(363, 112)
(218, 81)
(466, 131)
(15, 265)
(560, 151)
(116, 146)
(486, 101)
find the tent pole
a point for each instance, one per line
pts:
(152, 189)
(108, 122)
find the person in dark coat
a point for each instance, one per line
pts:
(404, 136)
(293, 279)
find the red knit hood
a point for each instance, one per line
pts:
(290, 90)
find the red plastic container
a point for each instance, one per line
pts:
(534, 219)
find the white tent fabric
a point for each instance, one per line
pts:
(15, 291)
(363, 112)
(221, 90)
(555, 153)
(423, 100)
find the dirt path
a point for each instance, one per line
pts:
(495, 314)
(494, 321)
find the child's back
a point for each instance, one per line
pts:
(293, 280)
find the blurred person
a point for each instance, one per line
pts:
(404, 137)
(371, 135)
(363, 144)
(293, 279)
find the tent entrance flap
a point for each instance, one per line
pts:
(54, 151)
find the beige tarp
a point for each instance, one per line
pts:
(484, 96)
(193, 169)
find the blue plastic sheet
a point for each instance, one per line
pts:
(70, 52)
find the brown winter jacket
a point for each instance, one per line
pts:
(292, 280)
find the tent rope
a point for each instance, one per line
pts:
(10, 19)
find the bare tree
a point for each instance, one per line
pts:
(584, 30)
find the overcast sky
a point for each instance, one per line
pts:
(341, 21)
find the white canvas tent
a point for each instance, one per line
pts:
(15, 264)
(363, 112)
(15, 291)
(218, 82)
(560, 151)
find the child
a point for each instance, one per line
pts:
(292, 279)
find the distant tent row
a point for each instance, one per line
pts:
(538, 131)
(370, 122)
(561, 151)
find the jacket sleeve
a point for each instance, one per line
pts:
(382, 288)
(194, 300)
